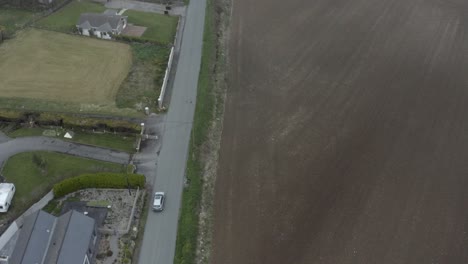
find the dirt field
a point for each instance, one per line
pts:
(53, 66)
(346, 134)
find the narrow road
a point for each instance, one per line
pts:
(161, 228)
(10, 147)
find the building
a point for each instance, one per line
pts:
(101, 25)
(45, 239)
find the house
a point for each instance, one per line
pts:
(101, 25)
(7, 191)
(46, 239)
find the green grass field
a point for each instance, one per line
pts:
(160, 28)
(107, 140)
(65, 19)
(56, 67)
(34, 174)
(14, 19)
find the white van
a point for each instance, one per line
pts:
(7, 190)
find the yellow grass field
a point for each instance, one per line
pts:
(53, 66)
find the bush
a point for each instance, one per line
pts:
(136, 39)
(98, 180)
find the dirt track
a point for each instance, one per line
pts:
(346, 133)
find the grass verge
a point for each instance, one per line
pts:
(204, 113)
(34, 174)
(159, 28)
(65, 19)
(105, 140)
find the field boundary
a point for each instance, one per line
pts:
(166, 77)
(195, 218)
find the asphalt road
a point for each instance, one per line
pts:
(11, 147)
(161, 228)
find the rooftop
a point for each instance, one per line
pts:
(102, 22)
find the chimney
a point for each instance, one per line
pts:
(4, 259)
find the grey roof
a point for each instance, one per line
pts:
(92, 20)
(77, 239)
(110, 12)
(33, 239)
(71, 238)
(45, 238)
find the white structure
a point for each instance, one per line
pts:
(7, 190)
(69, 134)
(101, 25)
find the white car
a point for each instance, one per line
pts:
(158, 201)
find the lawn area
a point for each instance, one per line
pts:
(60, 72)
(26, 132)
(65, 19)
(113, 141)
(107, 140)
(142, 86)
(14, 19)
(34, 174)
(160, 28)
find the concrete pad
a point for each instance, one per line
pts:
(133, 31)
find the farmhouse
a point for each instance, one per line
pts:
(101, 25)
(44, 238)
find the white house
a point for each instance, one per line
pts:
(101, 25)
(7, 190)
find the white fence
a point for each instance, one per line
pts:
(166, 77)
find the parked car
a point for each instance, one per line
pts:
(158, 201)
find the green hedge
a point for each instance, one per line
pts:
(71, 120)
(98, 180)
(138, 40)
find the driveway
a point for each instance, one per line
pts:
(168, 175)
(10, 147)
(145, 7)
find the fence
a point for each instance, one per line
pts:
(166, 77)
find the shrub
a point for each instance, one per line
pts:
(135, 39)
(98, 180)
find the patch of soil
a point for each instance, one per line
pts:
(345, 134)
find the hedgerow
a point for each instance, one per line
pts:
(99, 180)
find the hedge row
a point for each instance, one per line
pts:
(98, 180)
(70, 120)
(137, 39)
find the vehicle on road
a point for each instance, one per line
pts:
(7, 190)
(158, 201)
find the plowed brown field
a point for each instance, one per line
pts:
(346, 133)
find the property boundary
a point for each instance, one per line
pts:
(130, 220)
(166, 77)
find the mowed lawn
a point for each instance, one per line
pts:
(47, 65)
(34, 174)
(66, 18)
(160, 28)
